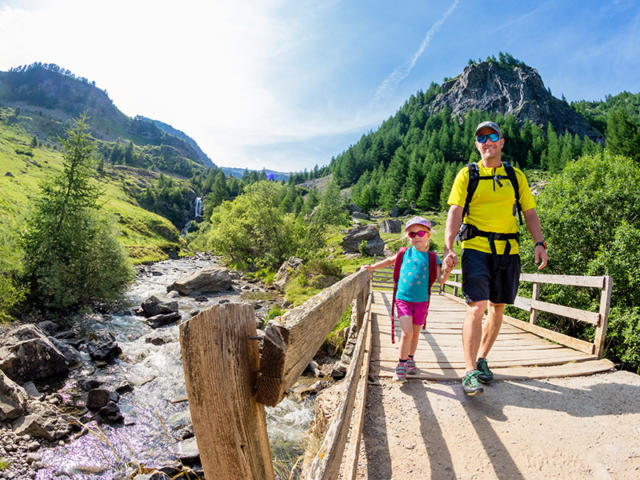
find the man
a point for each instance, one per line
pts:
(490, 258)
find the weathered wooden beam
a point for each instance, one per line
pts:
(574, 313)
(326, 464)
(560, 338)
(291, 343)
(220, 360)
(535, 295)
(574, 280)
(601, 329)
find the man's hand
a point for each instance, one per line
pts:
(541, 256)
(450, 259)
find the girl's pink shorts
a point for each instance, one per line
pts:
(416, 310)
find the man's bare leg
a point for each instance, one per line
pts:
(472, 333)
(491, 328)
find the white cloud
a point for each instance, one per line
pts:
(403, 71)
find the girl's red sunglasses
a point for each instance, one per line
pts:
(420, 233)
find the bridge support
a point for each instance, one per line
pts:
(221, 360)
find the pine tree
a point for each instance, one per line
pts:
(623, 136)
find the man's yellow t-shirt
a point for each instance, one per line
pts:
(492, 207)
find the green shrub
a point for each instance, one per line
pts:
(11, 292)
(362, 247)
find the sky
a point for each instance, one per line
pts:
(288, 84)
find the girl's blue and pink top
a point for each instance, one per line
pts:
(413, 285)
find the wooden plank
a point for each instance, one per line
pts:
(583, 315)
(566, 340)
(326, 464)
(535, 295)
(220, 364)
(522, 303)
(291, 342)
(605, 302)
(576, 369)
(451, 283)
(353, 451)
(574, 280)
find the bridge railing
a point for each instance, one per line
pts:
(534, 305)
(228, 381)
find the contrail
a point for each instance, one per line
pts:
(400, 73)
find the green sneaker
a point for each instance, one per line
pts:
(485, 374)
(470, 383)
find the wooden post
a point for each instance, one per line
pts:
(361, 303)
(601, 329)
(455, 289)
(220, 362)
(535, 295)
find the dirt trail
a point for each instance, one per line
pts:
(563, 428)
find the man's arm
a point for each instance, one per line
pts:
(533, 225)
(454, 219)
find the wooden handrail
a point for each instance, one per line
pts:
(533, 305)
(292, 341)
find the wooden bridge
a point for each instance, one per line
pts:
(229, 380)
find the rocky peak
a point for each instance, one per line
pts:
(518, 90)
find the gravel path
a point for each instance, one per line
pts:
(566, 428)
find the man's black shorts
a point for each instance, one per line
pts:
(490, 277)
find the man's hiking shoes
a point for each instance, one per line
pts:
(470, 383)
(401, 373)
(411, 367)
(485, 375)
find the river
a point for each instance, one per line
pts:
(155, 411)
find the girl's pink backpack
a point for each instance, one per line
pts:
(433, 274)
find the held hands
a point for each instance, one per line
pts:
(450, 261)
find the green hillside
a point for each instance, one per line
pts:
(146, 235)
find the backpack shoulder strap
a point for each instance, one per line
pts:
(511, 175)
(433, 274)
(396, 276)
(474, 177)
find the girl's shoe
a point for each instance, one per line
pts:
(401, 373)
(411, 367)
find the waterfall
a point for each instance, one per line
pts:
(198, 210)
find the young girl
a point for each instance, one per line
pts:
(413, 291)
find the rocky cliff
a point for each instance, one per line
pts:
(517, 90)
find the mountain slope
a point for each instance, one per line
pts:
(47, 97)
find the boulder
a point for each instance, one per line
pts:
(369, 233)
(28, 354)
(49, 425)
(99, 397)
(13, 399)
(162, 320)
(395, 212)
(391, 226)
(286, 271)
(187, 452)
(215, 279)
(156, 306)
(361, 216)
(102, 346)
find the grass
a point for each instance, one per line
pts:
(4, 463)
(146, 236)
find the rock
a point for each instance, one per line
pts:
(48, 327)
(48, 425)
(159, 338)
(488, 87)
(286, 271)
(100, 397)
(391, 226)
(325, 407)
(214, 279)
(353, 208)
(124, 387)
(28, 354)
(91, 383)
(110, 413)
(13, 399)
(173, 294)
(8, 174)
(32, 391)
(360, 215)
(339, 371)
(394, 212)
(201, 298)
(161, 320)
(187, 452)
(313, 369)
(158, 306)
(347, 353)
(102, 346)
(71, 355)
(369, 233)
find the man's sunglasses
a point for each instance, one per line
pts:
(419, 233)
(494, 137)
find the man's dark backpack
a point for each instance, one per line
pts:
(468, 231)
(433, 274)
